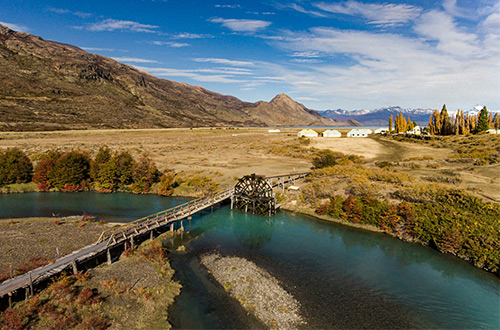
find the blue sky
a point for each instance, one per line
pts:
(326, 54)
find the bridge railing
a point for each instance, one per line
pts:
(174, 212)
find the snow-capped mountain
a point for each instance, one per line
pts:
(379, 117)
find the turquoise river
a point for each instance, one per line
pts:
(342, 277)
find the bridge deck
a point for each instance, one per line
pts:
(113, 238)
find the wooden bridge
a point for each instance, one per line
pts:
(114, 239)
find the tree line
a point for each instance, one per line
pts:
(441, 123)
(108, 171)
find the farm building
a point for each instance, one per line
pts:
(493, 131)
(359, 132)
(415, 131)
(381, 131)
(331, 133)
(308, 133)
(273, 130)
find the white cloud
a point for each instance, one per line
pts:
(307, 99)
(224, 61)
(306, 54)
(306, 60)
(387, 68)
(185, 35)
(66, 11)
(97, 49)
(451, 8)
(437, 25)
(386, 14)
(242, 25)
(227, 6)
(113, 25)
(197, 75)
(301, 9)
(171, 44)
(133, 60)
(15, 27)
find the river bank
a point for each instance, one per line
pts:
(294, 206)
(133, 292)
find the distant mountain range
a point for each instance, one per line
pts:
(46, 85)
(380, 117)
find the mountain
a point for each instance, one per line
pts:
(49, 85)
(378, 117)
(283, 109)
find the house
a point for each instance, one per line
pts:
(381, 131)
(332, 133)
(359, 132)
(493, 131)
(273, 130)
(415, 131)
(307, 133)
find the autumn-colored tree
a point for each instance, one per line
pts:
(15, 167)
(496, 121)
(352, 208)
(41, 175)
(145, 174)
(390, 123)
(70, 171)
(167, 184)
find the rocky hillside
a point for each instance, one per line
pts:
(46, 85)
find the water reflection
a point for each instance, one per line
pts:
(253, 232)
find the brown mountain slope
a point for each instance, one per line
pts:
(49, 85)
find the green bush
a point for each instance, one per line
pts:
(15, 167)
(70, 171)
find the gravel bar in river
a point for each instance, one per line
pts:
(257, 291)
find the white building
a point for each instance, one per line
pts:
(273, 131)
(415, 131)
(307, 133)
(493, 131)
(359, 132)
(381, 131)
(332, 133)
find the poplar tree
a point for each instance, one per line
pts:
(390, 123)
(496, 121)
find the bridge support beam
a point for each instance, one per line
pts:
(132, 243)
(108, 256)
(75, 269)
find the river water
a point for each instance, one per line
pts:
(343, 277)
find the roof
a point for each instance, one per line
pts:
(331, 131)
(361, 130)
(308, 131)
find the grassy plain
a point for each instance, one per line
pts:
(226, 154)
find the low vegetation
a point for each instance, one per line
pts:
(483, 149)
(428, 209)
(101, 298)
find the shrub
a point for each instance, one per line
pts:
(71, 169)
(326, 158)
(167, 184)
(15, 167)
